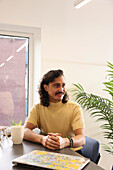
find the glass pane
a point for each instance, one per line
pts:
(13, 79)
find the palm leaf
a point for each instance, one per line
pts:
(99, 107)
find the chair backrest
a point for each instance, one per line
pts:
(91, 149)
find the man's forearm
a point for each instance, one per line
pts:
(32, 136)
(78, 141)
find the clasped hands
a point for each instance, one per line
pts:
(54, 141)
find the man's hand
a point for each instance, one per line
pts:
(51, 142)
(55, 141)
(64, 142)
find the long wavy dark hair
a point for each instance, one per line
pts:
(47, 78)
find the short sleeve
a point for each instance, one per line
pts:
(77, 118)
(34, 116)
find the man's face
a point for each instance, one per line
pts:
(56, 89)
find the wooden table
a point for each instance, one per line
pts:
(8, 152)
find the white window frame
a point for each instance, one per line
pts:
(34, 35)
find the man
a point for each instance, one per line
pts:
(60, 119)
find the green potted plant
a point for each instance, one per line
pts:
(99, 107)
(16, 124)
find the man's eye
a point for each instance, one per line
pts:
(56, 85)
(63, 85)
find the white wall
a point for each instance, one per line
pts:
(77, 41)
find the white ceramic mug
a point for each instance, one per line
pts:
(17, 134)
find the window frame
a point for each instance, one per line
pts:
(34, 66)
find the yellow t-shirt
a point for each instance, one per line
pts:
(58, 117)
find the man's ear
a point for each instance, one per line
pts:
(46, 87)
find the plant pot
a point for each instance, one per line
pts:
(17, 134)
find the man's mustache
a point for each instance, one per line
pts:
(59, 93)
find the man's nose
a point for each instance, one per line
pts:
(61, 89)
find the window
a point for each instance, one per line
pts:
(19, 74)
(13, 73)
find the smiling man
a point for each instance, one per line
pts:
(58, 118)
